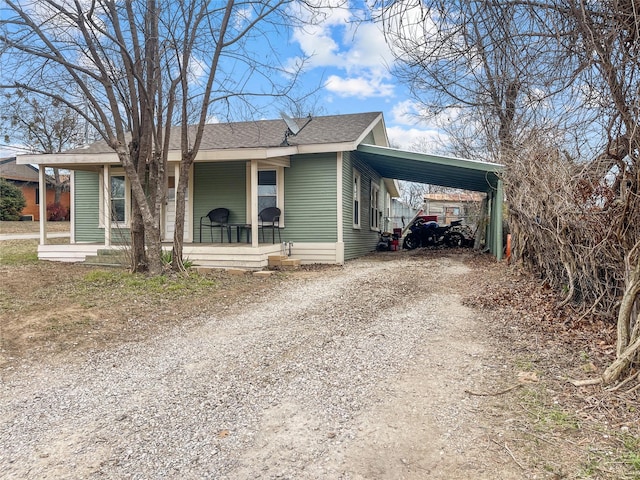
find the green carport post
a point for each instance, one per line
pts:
(496, 238)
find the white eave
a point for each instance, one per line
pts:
(55, 159)
(239, 154)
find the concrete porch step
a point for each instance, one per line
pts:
(108, 258)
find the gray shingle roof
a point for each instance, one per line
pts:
(11, 171)
(268, 133)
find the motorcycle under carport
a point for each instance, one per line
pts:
(430, 234)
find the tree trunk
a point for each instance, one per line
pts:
(137, 255)
(178, 233)
(152, 234)
(139, 151)
(628, 342)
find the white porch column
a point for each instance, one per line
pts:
(42, 185)
(339, 209)
(72, 206)
(253, 194)
(339, 192)
(106, 205)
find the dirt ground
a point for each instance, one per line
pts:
(489, 397)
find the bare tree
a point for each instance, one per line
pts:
(478, 59)
(100, 49)
(541, 84)
(609, 33)
(142, 68)
(217, 37)
(41, 125)
(585, 212)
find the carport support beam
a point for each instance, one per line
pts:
(496, 221)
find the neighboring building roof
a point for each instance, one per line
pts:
(454, 197)
(10, 170)
(13, 171)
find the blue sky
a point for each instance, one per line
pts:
(351, 62)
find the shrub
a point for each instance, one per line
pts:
(56, 212)
(11, 201)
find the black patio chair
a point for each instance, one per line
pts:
(216, 218)
(270, 218)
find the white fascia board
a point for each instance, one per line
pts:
(277, 162)
(53, 159)
(238, 154)
(266, 153)
(327, 148)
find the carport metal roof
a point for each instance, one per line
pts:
(446, 171)
(431, 169)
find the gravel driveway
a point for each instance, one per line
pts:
(356, 373)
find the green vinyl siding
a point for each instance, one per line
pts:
(87, 209)
(217, 185)
(357, 241)
(310, 213)
(369, 139)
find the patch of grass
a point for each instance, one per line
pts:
(138, 285)
(589, 469)
(524, 364)
(31, 227)
(24, 251)
(546, 415)
(18, 252)
(631, 457)
(612, 462)
(555, 417)
(62, 325)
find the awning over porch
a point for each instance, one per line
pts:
(446, 171)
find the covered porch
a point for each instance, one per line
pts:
(222, 255)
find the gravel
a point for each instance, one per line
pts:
(288, 387)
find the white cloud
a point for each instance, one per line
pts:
(367, 49)
(417, 139)
(197, 70)
(411, 113)
(242, 17)
(358, 87)
(357, 54)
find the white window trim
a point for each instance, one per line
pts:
(387, 212)
(374, 206)
(127, 199)
(357, 179)
(279, 189)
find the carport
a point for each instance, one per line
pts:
(446, 171)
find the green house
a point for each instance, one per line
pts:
(333, 182)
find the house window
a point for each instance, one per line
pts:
(453, 211)
(267, 189)
(118, 198)
(356, 199)
(374, 221)
(37, 196)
